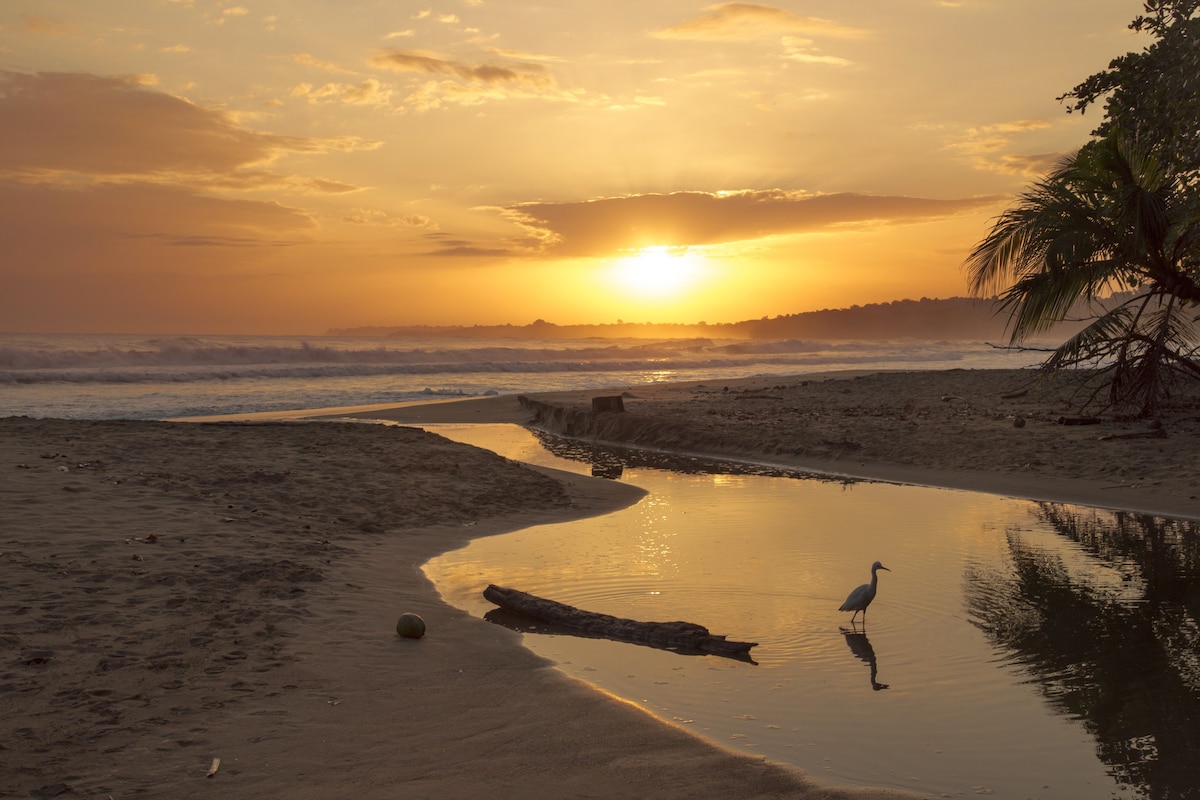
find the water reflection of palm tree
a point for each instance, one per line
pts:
(860, 645)
(1122, 662)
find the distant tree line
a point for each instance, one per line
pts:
(956, 318)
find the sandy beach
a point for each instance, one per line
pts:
(207, 610)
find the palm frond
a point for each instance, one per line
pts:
(1094, 343)
(1111, 217)
(1038, 301)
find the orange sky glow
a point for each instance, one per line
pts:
(288, 166)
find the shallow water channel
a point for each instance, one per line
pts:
(1015, 650)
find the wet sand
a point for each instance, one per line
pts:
(174, 593)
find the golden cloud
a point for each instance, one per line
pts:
(988, 148)
(472, 84)
(103, 173)
(50, 225)
(431, 64)
(610, 225)
(368, 93)
(747, 22)
(114, 128)
(309, 60)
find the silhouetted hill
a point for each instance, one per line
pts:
(953, 318)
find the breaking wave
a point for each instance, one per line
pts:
(195, 360)
(140, 377)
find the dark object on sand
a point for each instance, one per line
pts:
(610, 403)
(410, 626)
(1153, 433)
(1078, 420)
(682, 637)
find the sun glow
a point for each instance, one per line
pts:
(658, 273)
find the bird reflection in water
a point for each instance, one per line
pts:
(860, 645)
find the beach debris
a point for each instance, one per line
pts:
(612, 403)
(212, 770)
(680, 637)
(1079, 420)
(1018, 421)
(1154, 433)
(410, 626)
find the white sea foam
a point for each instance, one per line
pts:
(111, 376)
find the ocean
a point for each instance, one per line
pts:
(118, 376)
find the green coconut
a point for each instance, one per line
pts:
(410, 626)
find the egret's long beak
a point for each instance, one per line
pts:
(881, 566)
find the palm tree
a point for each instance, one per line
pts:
(1111, 233)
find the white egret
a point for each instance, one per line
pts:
(861, 597)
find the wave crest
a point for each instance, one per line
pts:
(191, 359)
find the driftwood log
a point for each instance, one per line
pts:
(1156, 433)
(682, 637)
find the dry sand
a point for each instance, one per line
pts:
(175, 593)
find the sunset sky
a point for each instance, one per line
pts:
(287, 166)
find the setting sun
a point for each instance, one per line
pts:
(658, 273)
